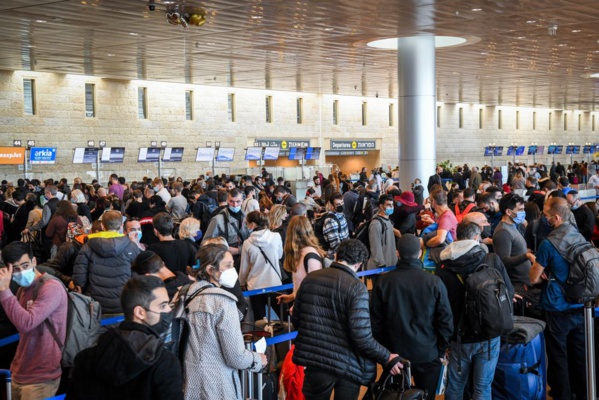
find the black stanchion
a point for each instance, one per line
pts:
(589, 330)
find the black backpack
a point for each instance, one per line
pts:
(362, 231)
(319, 229)
(582, 284)
(488, 309)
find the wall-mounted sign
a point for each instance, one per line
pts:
(12, 155)
(284, 144)
(42, 155)
(353, 144)
(346, 153)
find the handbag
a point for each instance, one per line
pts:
(389, 387)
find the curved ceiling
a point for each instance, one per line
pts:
(310, 46)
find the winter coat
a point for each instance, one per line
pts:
(219, 227)
(332, 317)
(215, 351)
(103, 266)
(129, 362)
(255, 271)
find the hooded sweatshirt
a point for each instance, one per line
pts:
(255, 271)
(130, 362)
(462, 258)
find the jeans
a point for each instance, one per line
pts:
(426, 376)
(566, 370)
(318, 385)
(483, 363)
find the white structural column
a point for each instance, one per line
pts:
(417, 109)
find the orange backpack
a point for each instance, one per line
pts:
(460, 215)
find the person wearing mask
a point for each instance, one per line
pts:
(177, 254)
(446, 220)
(509, 243)
(135, 205)
(78, 199)
(189, 231)
(335, 225)
(281, 196)
(230, 224)
(214, 331)
(350, 199)
(303, 254)
(50, 193)
(260, 267)
(250, 203)
(404, 213)
(418, 191)
(160, 190)
(475, 178)
(381, 236)
(435, 179)
(132, 229)
(130, 361)
(177, 205)
(155, 206)
(39, 308)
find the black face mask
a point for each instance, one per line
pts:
(163, 324)
(339, 209)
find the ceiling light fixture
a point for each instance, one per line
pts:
(477, 9)
(440, 41)
(531, 21)
(595, 75)
(41, 21)
(576, 30)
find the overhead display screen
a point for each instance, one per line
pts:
(148, 154)
(572, 149)
(271, 153)
(515, 150)
(113, 154)
(488, 151)
(85, 155)
(225, 154)
(253, 153)
(498, 151)
(205, 154)
(42, 155)
(312, 153)
(173, 154)
(297, 153)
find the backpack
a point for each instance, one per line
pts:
(460, 215)
(209, 202)
(177, 336)
(83, 323)
(488, 309)
(362, 231)
(582, 284)
(76, 231)
(319, 229)
(202, 212)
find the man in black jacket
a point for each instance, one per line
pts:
(411, 315)
(435, 179)
(458, 260)
(334, 340)
(131, 361)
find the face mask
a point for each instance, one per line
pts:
(228, 278)
(234, 210)
(339, 208)
(574, 208)
(164, 324)
(139, 235)
(520, 217)
(73, 201)
(24, 278)
(388, 211)
(198, 236)
(156, 188)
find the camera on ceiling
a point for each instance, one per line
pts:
(152, 5)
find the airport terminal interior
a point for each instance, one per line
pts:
(301, 88)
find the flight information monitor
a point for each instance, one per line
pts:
(173, 154)
(488, 151)
(312, 153)
(42, 155)
(148, 154)
(572, 149)
(498, 151)
(225, 154)
(205, 154)
(297, 153)
(113, 154)
(271, 153)
(253, 153)
(85, 155)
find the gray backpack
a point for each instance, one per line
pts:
(83, 323)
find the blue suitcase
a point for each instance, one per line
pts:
(521, 372)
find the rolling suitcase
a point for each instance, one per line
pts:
(522, 364)
(398, 387)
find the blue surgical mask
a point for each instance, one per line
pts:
(575, 208)
(235, 209)
(520, 217)
(24, 278)
(156, 188)
(139, 235)
(198, 236)
(388, 211)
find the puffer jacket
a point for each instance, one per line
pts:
(103, 266)
(331, 314)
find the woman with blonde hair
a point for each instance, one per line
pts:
(276, 220)
(303, 254)
(189, 230)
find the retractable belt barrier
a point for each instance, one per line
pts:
(273, 289)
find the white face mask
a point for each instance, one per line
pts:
(228, 278)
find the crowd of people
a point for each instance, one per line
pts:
(139, 247)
